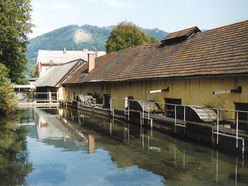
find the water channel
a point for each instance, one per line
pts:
(65, 147)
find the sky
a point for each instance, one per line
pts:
(167, 15)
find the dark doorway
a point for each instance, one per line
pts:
(242, 116)
(107, 98)
(170, 109)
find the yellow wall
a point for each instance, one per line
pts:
(190, 91)
(61, 93)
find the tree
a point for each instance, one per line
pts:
(14, 27)
(153, 39)
(7, 95)
(126, 35)
(33, 71)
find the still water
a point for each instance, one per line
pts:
(62, 147)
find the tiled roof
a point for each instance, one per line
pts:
(57, 74)
(220, 51)
(78, 75)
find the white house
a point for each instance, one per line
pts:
(48, 58)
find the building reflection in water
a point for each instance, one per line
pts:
(110, 127)
(81, 119)
(91, 144)
(145, 148)
(50, 127)
(126, 135)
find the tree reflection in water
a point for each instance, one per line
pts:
(14, 164)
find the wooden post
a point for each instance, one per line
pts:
(50, 96)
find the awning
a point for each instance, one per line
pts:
(205, 113)
(148, 106)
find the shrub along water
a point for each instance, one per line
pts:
(7, 94)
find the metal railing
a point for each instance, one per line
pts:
(236, 124)
(227, 118)
(224, 122)
(37, 99)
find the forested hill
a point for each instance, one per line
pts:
(74, 37)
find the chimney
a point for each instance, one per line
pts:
(64, 51)
(91, 61)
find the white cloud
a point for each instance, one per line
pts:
(119, 3)
(63, 6)
(81, 36)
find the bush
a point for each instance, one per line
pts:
(7, 94)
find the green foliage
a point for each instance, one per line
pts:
(14, 164)
(14, 27)
(33, 71)
(126, 35)
(7, 95)
(65, 38)
(153, 39)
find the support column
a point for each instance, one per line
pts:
(50, 96)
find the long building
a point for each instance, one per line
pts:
(188, 67)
